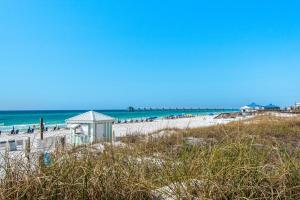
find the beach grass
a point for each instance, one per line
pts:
(254, 159)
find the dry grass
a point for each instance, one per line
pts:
(258, 159)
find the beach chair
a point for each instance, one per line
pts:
(3, 145)
(20, 144)
(49, 142)
(12, 145)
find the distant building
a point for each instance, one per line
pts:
(271, 107)
(251, 108)
(246, 109)
(297, 106)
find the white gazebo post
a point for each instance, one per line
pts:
(90, 132)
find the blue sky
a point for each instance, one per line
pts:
(62, 54)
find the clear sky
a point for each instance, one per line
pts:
(61, 54)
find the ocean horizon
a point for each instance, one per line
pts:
(21, 120)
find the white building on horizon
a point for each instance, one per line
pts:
(251, 108)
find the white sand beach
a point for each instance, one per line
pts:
(127, 129)
(121, 130)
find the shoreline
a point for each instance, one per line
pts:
(126, 129)
(145, 127)
(15, 144)
(135, 116)
(22, 120)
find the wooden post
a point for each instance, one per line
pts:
(113, 137)
(63, 141)
(42, 128)
(27, 148)
(41, 160)
(112, 152)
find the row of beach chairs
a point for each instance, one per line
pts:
(14, 132)
(18, 145)
(150, 119)
(30, 130)
(12, 145)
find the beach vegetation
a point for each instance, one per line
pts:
(253, 159)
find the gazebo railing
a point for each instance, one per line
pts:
(79, 139)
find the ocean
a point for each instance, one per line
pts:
(21, 120)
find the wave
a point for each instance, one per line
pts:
(21, 127)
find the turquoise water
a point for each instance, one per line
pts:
(23, 119)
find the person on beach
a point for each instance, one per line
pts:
(13, 130)
(30, 130)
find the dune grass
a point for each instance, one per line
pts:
(255, 159)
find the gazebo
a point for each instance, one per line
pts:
(94, 127)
